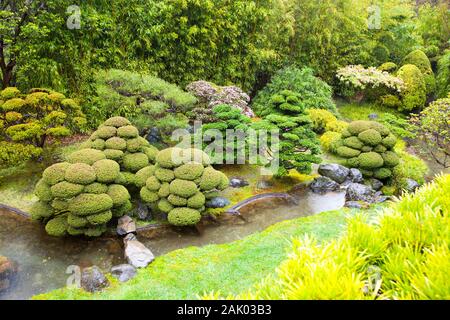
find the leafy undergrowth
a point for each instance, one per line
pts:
(403, 254)
(191, 272)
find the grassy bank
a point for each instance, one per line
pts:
(233, 267)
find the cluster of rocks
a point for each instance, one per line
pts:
(335, 177)
(136, 253)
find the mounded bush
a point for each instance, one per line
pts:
(353, 142)
(183, 188)
(414, 95)
(421, 61)
(370, 160)
(128, 132)
(119, 194)
(75, 221)
(177, 200)
(106, 170)
(148, 196)
(55, 173)
(375, 157)
(184, 216)
(116, 143)
(189, 171)
(370, 137)
(96, 188)
(100, 218)
(117, 122)
(113, 154)
(105, 132)
(80, 173)
(175, 183)
(134, 162)
(197, 201)
(165, 175)
(57, 227)
(86, 204)
(66, 190)
(143, 174)
(88, 156)
(347, 152)
(42, 191)
(41, 210)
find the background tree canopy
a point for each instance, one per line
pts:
(241, 42)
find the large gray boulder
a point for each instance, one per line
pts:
(136, 253)
(411, 185)
(359, 192)
(123, 272)
(93, 280)
(334, 171)
(323, 184)
(125, 226)
(237, 182)
(217, 202)
(355, 175)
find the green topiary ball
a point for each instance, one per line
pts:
(183, 188)
(116, 143)
(128, 132)
(55, 173)
(107, 171)
(119, 194)
(134, 162)
(88, 156)
(66, 190)
(184, 216)
(382, 173)
(80, 173)
(86, 204)
(370, 137)
(370, 160)
(347, 152)
(353, 142)
(57, 227)
(189, 171)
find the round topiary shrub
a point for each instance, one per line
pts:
(184, 217)
(368, 146)
(180, 183)
(419, 59)
(414, 95)
(370, 137)
(80, 173)
(370, 160)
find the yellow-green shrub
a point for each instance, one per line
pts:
(404, 255)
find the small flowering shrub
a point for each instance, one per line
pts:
(210, 95)
(356, 78)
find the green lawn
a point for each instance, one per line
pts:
(361, 111)
(231, 268)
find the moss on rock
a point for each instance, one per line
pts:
(55, 173)
(88, 156)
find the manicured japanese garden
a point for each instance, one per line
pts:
(225, 150)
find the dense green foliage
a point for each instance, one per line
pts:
(310, 91)
(368, 145)
(415, 94)
(219, 144)
(147, 101)
(180, 183)
(404, 255)
(443, 75)
(297, 146)
(433, 128)
(421, 61)
(28, 121)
